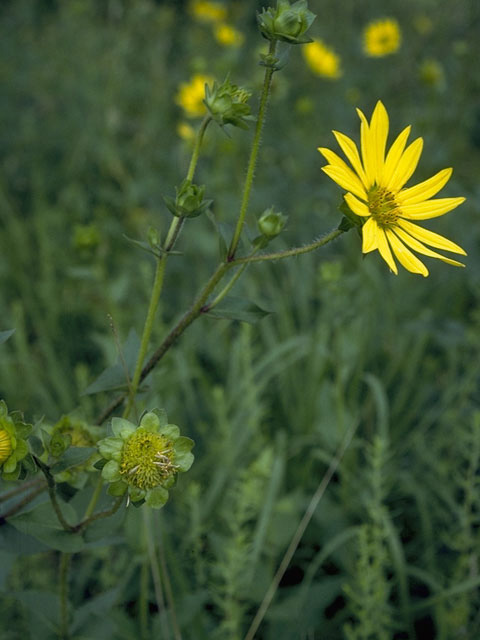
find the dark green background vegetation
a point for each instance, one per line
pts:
(88, 145)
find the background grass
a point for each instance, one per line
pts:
(88, 145)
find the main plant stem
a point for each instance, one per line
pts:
(200, 307)
(252, 161)
(172, 235)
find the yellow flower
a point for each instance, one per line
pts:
(191, 94)
(228, 36)
(322, 60)
(382, 37)
(205, 11)
(377, 193)
(6, 447)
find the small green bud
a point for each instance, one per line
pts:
(271, 223)
(189, 201)
(286, 22)
(227, 104)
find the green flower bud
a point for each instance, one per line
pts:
(189, 201)
(145, 460)
(227, 104)
(72, 431)
(271, 223)
(286, 22)
(13, 446)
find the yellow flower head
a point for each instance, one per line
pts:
(322, 60)
(206, 11)
(191, 94)
(376, 192)
(228, 36)
(381, 38)
(6, 446)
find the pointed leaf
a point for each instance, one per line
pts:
(236, 308)
(72, 457)
(5, 335)
(115, 377)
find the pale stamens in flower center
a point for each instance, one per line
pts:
(147, 460)
(382, 205)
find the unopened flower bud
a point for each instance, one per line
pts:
(271, 223)
(189, 201)
(227, 104)
(286, 22)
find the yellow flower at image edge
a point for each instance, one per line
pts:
(381, 38)
(322, 60)
(191, 94)
(376, 193)
(13, 447)
(145, 460)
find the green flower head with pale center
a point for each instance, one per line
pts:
(145, 460)
(13, 447)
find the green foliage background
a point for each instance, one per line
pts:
(88, 145)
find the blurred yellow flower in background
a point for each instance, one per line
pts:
(382, 37)
(185, 131)
(376, 193)
(190, 95)
(322, 60)
(206, 11)
(227, 35)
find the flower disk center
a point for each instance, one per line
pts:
(147, 460)
(382, 205)
(5, 445)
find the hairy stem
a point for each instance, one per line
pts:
(199, 306)
(288, 253)
(172, 235)
(252, 161)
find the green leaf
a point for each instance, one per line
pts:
(42, 523)
(236, 308)
(170, 431)
(115, 377)
(72, 457)
(43, 607)
(224, 231)
(5, 335)
(156, 498)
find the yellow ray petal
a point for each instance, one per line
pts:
(367, 149)
(394, 155)
(360, 208)
(349, 148)
(430, 208)
(406, 257)
(369, 236)
(425, 189)
(406, 165)
(416, 245)
(336, 161)
(429, 237)
(347, 180)
(379, 133)
(384, 249)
